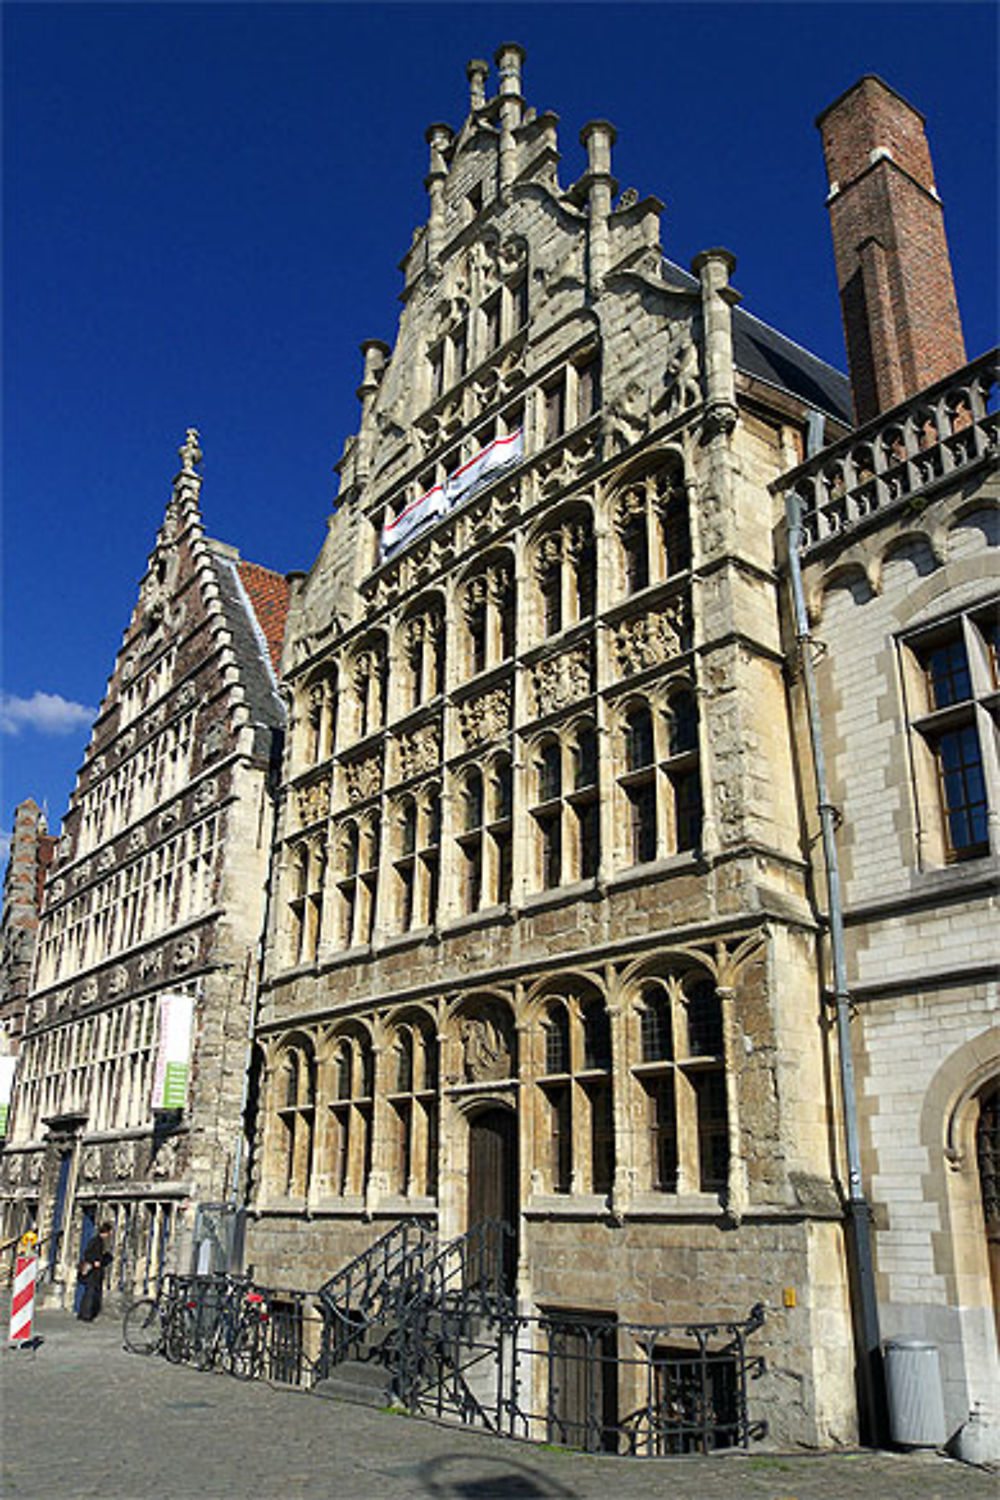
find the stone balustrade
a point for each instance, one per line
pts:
(898, 458)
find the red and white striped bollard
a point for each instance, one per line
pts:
(22, 1307)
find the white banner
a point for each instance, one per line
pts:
(173, 1052)
(484, 468)
(8, 1066)
(490, 461)
(414, 518)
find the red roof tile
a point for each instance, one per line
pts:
(269, 594)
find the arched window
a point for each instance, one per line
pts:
(358, 843)
(578, 1147)
(293, 1124)
(682, 1078)
(350, 1133)
(413, 1111)
(565, 565)
(318, 718)
(682, 771)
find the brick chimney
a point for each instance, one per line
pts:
(897, 294)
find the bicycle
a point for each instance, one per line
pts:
(151, 1325)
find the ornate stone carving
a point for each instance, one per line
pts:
(168, 817)
(627, 417)
(90, 1167)
(420, 750)
(121, 1162)
(118, 980)
(186, 695)
(185, 951)
(313, 802)
(57, 890)
(486, 1046)
(486, 717)
(205, 795)
(89, 992)
(97, 767)
(106, 860)
(561, 679)
(165, 1161)
(151, 963)
(137, 841)
(363, 778)
(682, 386)
(651, 639)
(212, 742)
(628, 199)
(126, 742)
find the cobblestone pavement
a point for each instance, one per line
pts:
(81, 1417)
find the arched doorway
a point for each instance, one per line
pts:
(493, 1177)
(988, 1161)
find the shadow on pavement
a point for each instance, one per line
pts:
(467, 1477)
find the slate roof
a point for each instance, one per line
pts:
(252, 636)
(762, 351)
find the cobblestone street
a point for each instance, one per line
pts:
(81, 1417)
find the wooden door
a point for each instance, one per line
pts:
(493, 1192)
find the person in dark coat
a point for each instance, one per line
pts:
(96, 1256)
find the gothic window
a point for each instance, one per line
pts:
(435, 360)
(578, 1148)
(951, 681)
(357, 877)
(460, 352)
(651, 524)
(639, 785)
(565, 569)
(681, 1076)
(661, 783)
(422, 658)
(554, 399)
(295, 1106)
(317, 718)
(368, 689)
(588, 392)
(415, 863)
(489, 616)
(471, 840)
(308, 863)
(413, 1111)
(350, 1135)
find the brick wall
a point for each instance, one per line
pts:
(901, 321)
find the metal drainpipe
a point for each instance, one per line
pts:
(871, 1379)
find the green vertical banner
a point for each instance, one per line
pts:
(173, 1053)
(7, 1069)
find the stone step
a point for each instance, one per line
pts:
(357, 1383)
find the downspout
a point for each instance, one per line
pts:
(871, 1381)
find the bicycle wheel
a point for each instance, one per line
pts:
(142, 1331)
(177, 1334)
(246, 1357)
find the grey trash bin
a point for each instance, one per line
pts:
(913, 1385)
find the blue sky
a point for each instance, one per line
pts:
(204, 211)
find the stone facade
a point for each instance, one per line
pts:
(902, 580)
(541, 943)
(31, 850)
(157, 889)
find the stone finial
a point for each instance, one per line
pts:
(190, 452)
(439, 137)
(476, 72)
(599, 136)
(509, 57)
(375, 352)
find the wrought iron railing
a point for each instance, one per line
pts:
(592, 1383)
(898, 458)
(369, 1291)
(290, 1331)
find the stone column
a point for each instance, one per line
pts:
(375, 354)
(475, 72)
(598, 137)
(438, 137)
(509, 57)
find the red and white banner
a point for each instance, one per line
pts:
(414, 518)
(484, 468)
(481, 470)
(22, 1307)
